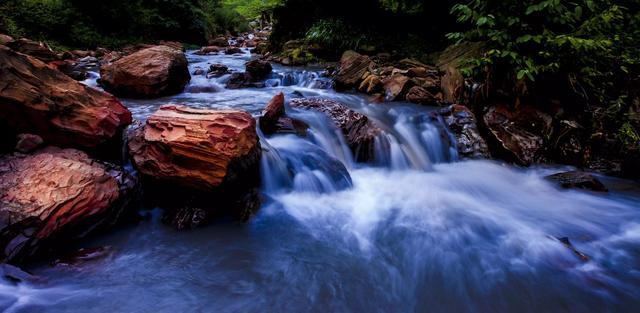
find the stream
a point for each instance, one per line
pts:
(416, 231)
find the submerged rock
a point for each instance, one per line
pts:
(54, 196)
(210, 156)
(359, 131)
(43, 101)
(578, 180)
(148, 73)
(462, 123)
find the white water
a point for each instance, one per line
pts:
(416, 231)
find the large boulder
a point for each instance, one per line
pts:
(359, 131)
(148, 73)
(211, 157)
(35, 49)
(258, 69)
(43, 101)
(517, 135)
(462, 123)
(353, 67)
(55, 196)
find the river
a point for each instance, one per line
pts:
(418, 231)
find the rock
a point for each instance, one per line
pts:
(450, 61)
(233, 50)
(28, 143)
(352, 68)
(42, 101)
(420, 95)
(358, 130)
(372, 84)
(110, 57)
(133, 48)
(199, 72)
(217, 70)
(208, 50)
(70, 68)
(417, 72)
(5, 39)
(84, 256)
(517, 135)
(173, 44)
(220, 42)
(396, 86)
(149, 73)
(17, 275)
(462, 123)
(82, 53)
(55, 196)
(243, 80)
(272, 112)
(204, 155)
(258, 69)
(411, 63)
(38, 50)
(577, 180)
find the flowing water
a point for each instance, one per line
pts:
(415, 231)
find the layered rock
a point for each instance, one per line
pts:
(54, 196)
(148, 73)
(463, 124)
(36, 49)
(353, 67)
(420, 95)
(210, 156)
(359, 131)
(43, 101)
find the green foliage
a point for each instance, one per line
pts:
(335, 35)
(252, 9)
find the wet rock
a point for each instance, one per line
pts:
(417, 72)
(243, 80)
(75, 70)
(353, 66)
(208, 50)
(217, 70)
(396, 86)
(43, 101)
(211, 157)
(577, 180)
(199, 72)
(420, 95)
(148, 73)
(233, 50)
(358, 130)
(517, 135)
(84, 256)
(258, 69)
(38, 50)
(372, 84)
(17, 275)
(187, 218)
(273, 111)
(463, 124)
(28, 143)
(220, 42)
(55, 196)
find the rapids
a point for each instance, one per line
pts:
(418, 230)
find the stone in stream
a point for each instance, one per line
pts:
(39, 100)
(256, 72)
(54, 196)
(353, 66)
(148, 73)
(202, 159)
(577, 180)
(217, 70)
(233, 50)
(274, 119)
(359, 131)
(462, 123)
(258, 69)
(208, 50)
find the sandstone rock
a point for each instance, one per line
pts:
(358, 130)
(208, 50)
(517, 135)
(28, 142)
(417, 72)
(463, 124)
(148, 73)
(372, 84)
(38, 50)
(55, 196)
(272, 112)
(396, 86)
(110, 57)
(577, 180)
(173, 44)
(420, 95)
(258, 69)
(39, 100)
(352, 67)
(210, 156)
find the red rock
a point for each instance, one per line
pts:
(272, 112)
(372, 84)
(28, 142)
(55, 196)
(358, 130)
(43, 101)
(233, 50)
(173, 44)
(35, 49)
(220, 42)
(353, 66)
(152, 72)
(396, 86)
(208, 50)
(420, 95)
(194, 148)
